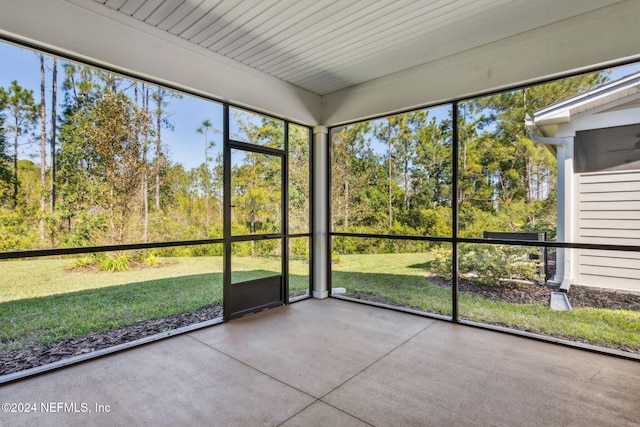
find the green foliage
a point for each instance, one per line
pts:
(89, 260)
(299, 247)
(151, 259)
(442, 263)
(118, 261)
(114, 262)
(492, 263)
(15, 232)
(6, 175)
(174, 251)
(148, 258)
(204, 250)
(389, 176)
(299, 180)
(357, 245)
(87, 230)
(487, 264)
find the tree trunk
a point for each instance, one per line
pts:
(158, 157)
(15, 165)
(206, 182)
(527, 181)
(346, 201)
(54, 96)
(145, 179)
(43, 152)
(390, 179)
(406, 176)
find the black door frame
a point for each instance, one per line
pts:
(258, 294)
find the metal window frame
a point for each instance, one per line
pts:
(455, 240)
(225, 240)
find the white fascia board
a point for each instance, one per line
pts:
(557, 117)
(88, 31)
(605, 116)
(606, 95)
(600, 38)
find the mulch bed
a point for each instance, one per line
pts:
(522, 292)
(531, 293)
(19, 360)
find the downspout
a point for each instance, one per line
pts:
(565, 205)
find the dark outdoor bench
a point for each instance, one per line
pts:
(540, 237)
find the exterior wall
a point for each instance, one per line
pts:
(609, 213)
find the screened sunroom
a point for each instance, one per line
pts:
(303, 213)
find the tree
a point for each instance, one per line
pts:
(475, 187)
(21, 114)
(113, 140)
(77, 185)
(43, 150)
(514, 164)
(160, 97)
(5, 159)
(299, 183)
(256, 194)
(205, 129)
(431, 173)
(143, 139)
(80, 86)
(54, 128)
(400, 134)
(348, 146)
(101, 161)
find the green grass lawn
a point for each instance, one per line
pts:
(402, 279)
(45, 300)
(395, 278)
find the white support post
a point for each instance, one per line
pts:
(566, 204)
(321, 212)
(565, 209)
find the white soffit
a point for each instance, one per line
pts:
(328, 45)
(603, 95)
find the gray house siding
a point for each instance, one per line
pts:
(609, 213)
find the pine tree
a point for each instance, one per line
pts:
(21, 115)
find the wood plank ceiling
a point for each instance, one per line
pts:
(327, 45)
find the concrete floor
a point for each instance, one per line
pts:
(336, 363)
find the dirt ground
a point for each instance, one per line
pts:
(530, 293)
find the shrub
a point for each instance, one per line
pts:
(86, 231)
(487, 264)
(205, 250)
(299, 247)
(441, 263)
(151, 259)
(174, 251)
(85, 261)
(115, 262)
(491, 263)
(15, 232)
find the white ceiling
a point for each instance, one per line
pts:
(327, 45)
